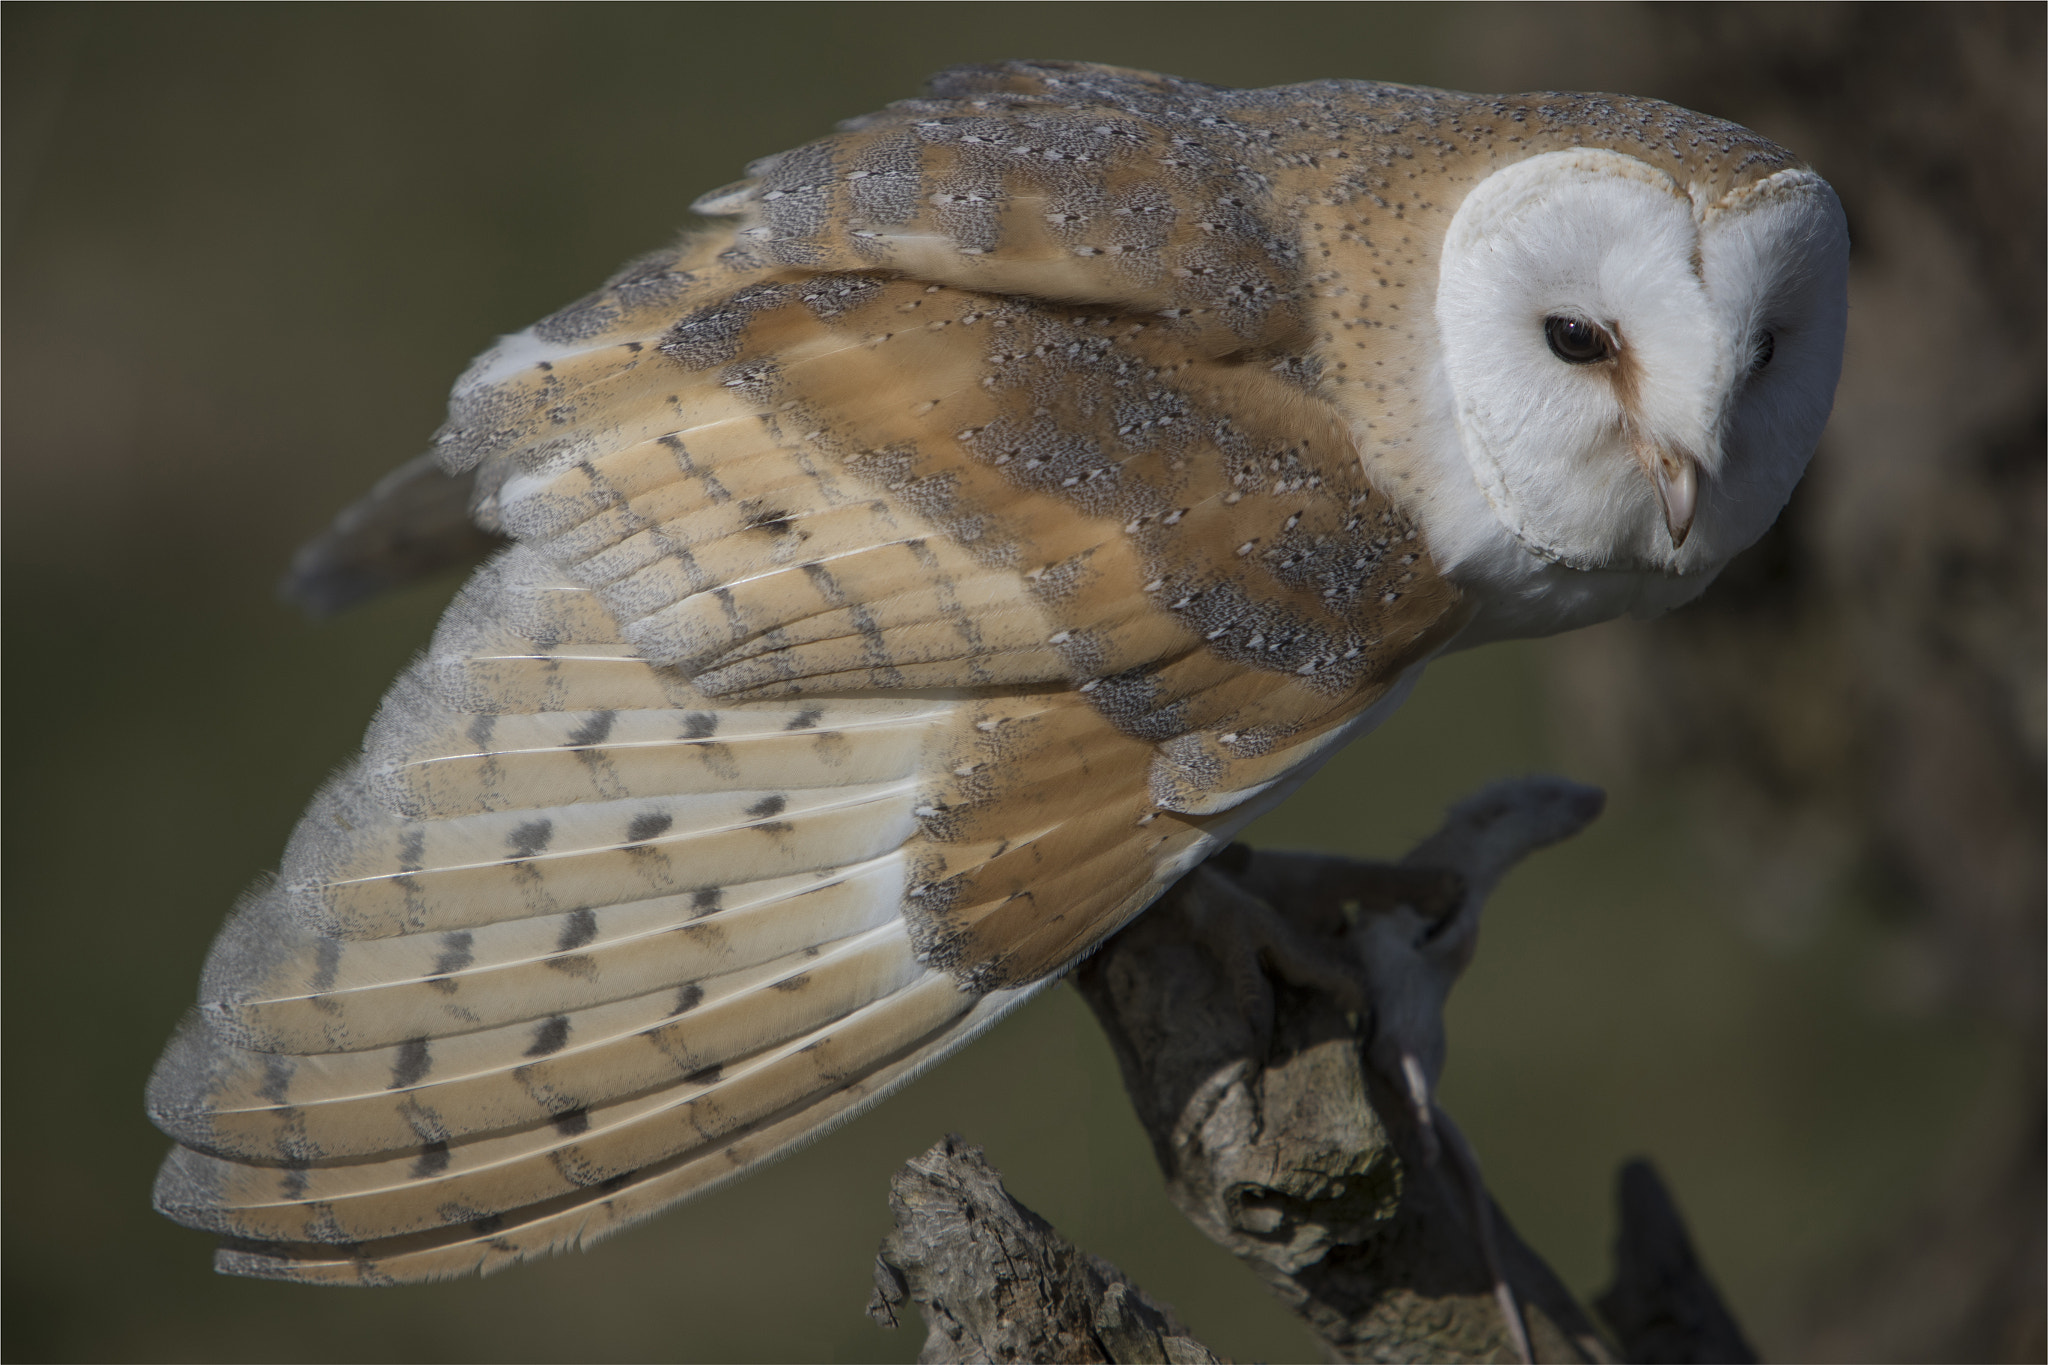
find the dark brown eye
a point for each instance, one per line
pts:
(1575, 341)
(1764, 348)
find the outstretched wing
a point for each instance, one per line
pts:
(873, 646)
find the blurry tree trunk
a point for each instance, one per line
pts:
(1858, 703)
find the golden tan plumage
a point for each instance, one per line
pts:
(913, 577)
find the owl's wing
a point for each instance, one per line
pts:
(872, 648)
(1060, 181)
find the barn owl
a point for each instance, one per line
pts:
(915, 572)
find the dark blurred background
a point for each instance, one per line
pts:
(1799, 963)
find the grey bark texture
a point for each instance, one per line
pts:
(995, 1282)
(1277, 1018)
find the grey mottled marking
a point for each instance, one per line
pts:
(326, 962)
(277, 1078)
(711, 336)
(713, 489)
(580, 929)
(650, 825)
(550, 1037)
(530, 838)
(433, 1160)
(769, 521)
(457, 953)
(594, 730)
(414, 1062)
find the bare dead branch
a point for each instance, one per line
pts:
(1662, 1306)
(1278, 1021)
(994, 1282)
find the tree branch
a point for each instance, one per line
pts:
(1278, 1021)
(995, 1282)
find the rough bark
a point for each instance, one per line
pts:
(1269, 1016)
(995, 1282)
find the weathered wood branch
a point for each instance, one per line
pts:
(995, 1282)
(1278, 1021)
(1661, 1305)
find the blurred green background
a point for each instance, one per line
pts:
(246, 251)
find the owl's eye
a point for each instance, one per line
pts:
(1575, 341)
(1762, 350)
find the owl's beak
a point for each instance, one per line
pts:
(1677, 476)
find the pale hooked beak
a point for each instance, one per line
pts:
(1677, 476)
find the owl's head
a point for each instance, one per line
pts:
(1639, 375)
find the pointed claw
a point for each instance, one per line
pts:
(1423, 1106)
(1479, 1207)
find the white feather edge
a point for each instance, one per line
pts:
(246, 1259)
